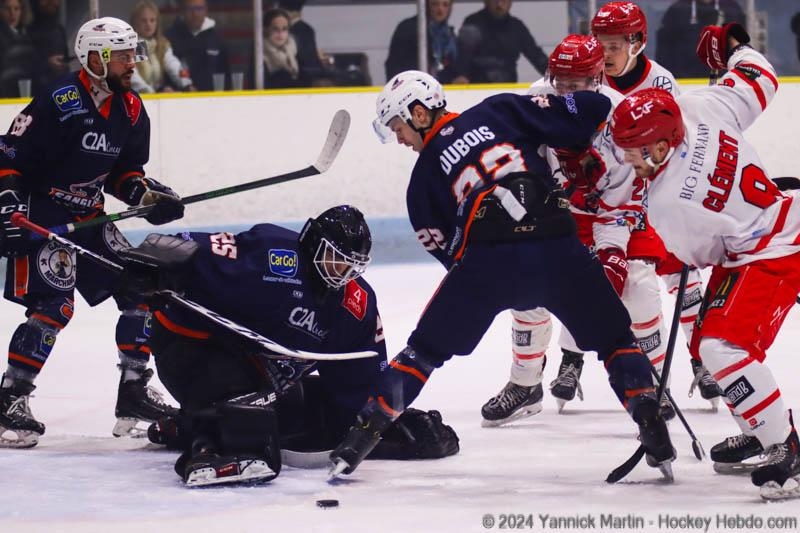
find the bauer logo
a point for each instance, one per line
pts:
(67, 98)
(739, 391)
(283, 263)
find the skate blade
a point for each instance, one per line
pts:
(771, 491)
(127, 427)
(735, 469)
(714, 404)
(250, 471)
(524, 412)
(666, 471)
(338, 468)
(561, 403)
(18, 438)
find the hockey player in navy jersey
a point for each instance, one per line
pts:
(483, 202)
(84, 135)
(303, 291)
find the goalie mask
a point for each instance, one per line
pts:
(337, 244)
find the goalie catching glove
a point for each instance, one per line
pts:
(140, 191)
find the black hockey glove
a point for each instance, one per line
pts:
(13, 240)
(143, 191)
(417, 435)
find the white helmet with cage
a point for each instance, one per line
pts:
(106, 35)
(400, 93)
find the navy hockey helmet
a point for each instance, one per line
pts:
(337, 243)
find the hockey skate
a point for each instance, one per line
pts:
(779, 476)
(512, 403)
(18, 427)
(209, 468)
(737, 455)
(138, 402)
(703, 380)
(567, 384)
(654, 436)
(359, 441)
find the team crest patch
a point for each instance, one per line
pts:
(283, 262)
(133, 107)
(114, 238)
(57, 266)
(67, 98)
(355, 300)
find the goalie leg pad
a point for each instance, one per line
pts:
(417, 434)
(531, 332)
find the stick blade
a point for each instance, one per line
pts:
(337, 133)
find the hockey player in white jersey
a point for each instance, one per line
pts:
(605, 213)
(621, 27)
(711, 200)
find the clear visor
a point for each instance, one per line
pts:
(130, 55)
(337, 268)
(570, 84)
(384, 133)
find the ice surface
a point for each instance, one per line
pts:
(80, 478)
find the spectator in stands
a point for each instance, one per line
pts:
(490, 43)
(442, 44)
(281, 68)
(17, 54)
(162, 72)
(310, 59)
(50, 40)
(795, 24)
(198, 45)
(676, 38)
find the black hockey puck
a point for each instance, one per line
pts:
(327, 504)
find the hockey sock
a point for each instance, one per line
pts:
(31, 345)
(403, 381)
(629, 374)
(132, 334)
(530, 336)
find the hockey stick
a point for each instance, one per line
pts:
(333, 143)
(697, 447)
(274, 348)
(625, 468)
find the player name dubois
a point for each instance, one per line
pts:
(461, 146)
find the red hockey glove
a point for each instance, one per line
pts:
(615, 267)
(713, 47)
(582, 168)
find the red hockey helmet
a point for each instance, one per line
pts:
(646, 117)
(577, 55)
(620, 18)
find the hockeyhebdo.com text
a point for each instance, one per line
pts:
(663, 522)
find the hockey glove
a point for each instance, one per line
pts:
(582, 168)
(13, 240)
(713, 47)
(141, 191)
(417, 435)
(615, 266)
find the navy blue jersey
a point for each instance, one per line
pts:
(62, 147)
(503, 134)
(258, 279)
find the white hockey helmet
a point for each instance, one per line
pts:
(397, 97)
(105, 35)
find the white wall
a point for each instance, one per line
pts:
(204, 143)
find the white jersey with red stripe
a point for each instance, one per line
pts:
(609, 209)
(712, 202)
(654, 75)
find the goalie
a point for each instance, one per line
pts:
(239, 405)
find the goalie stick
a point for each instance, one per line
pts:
(275, 349)
(333, 143)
